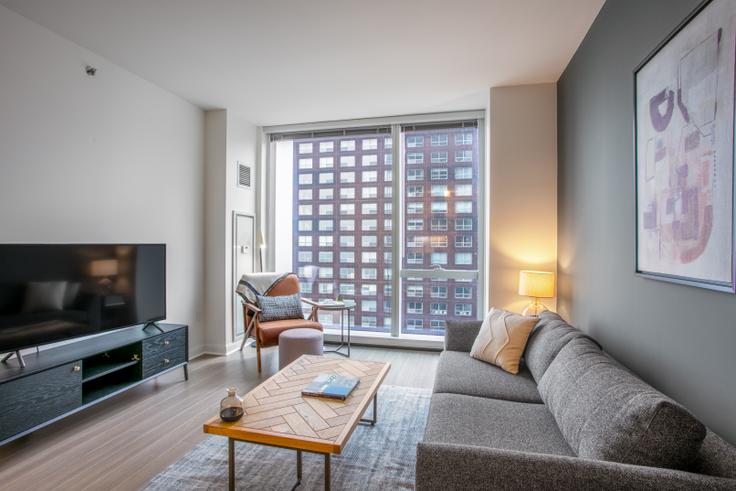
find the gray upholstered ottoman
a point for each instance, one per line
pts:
(294, 343)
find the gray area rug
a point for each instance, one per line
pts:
(376, 458)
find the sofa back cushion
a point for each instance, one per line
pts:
(550, 335)
(607, 413)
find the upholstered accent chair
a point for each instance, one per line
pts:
(267, 333)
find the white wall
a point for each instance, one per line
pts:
(229, 139)
(110, 158)
(523, 188)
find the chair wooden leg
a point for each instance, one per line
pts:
(242, 345)
(258, 352)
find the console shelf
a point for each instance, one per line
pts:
(61, 381)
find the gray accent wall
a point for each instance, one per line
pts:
(680, 339)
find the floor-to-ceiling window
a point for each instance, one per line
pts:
(388, 215)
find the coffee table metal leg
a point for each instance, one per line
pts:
(327, 472)
(231, 464)
(374, 418)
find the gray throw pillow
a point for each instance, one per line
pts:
(44, 296)
(280, 308)
(606, 413)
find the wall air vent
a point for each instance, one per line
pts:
(243, 175)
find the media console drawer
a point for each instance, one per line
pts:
(32, 400)
(153, 364)
(164, 342)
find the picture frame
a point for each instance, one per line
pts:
(684, 101)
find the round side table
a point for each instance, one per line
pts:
(345, 307)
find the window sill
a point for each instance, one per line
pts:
(411, 341)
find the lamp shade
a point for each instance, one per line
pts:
(103, 267)
(539, 284)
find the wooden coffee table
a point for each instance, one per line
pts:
(276, 414)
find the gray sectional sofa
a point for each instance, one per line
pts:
(573, 418)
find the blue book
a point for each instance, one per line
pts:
(331, 385)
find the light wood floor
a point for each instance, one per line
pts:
(124, 442)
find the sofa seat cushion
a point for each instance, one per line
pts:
(477, 421)
(458, 373)
(606, 413)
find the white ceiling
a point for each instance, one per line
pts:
(292, 61)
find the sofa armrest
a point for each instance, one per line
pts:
(443, 466)
(459, 335)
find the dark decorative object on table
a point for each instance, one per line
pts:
(231, 407)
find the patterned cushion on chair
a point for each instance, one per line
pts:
(280, 308)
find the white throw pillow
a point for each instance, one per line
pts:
(502, 339)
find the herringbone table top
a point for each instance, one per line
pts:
(277, 414)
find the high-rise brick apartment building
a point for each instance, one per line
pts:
(343, 225)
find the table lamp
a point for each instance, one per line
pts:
(536, 284)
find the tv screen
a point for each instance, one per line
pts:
(50, 293)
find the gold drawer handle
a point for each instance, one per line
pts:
(167, 342)
(166, 361)
(77, 368)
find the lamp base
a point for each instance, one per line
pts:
(534, 309)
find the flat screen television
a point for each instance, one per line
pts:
(55, 292)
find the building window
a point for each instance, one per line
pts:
(326, 241)
(368, 306)
(326, 225)
(325, 256)
(415, 241)
(326, 210)
(463, 292)
(370, 192)
(439, 291)
(414, 308)
(436, 324)
(305, 194)
(369, 273)
(464, 224)
(368, 321)
(464, 139)
(369, 225)
(369, 241)
(347, 161)
(347, 225)
(305, 256)
(415, 174)
(305, 226)
(438, 308)
(305, 209)
(438, 224)
(414, 141)
(305, 241)
(305, 178)
(325, 273)
(347, 273)
(326, 162)
(438, 174)
(439, 241)
(439, 207)
(463, 172)
(415, 323)
(388, 143)
(326, 193)
(305, 163)
(347, 146)
(347, 257)
(415, 224)
(413, 158)
(415, 208)
(369, 160)
(463, 309)
(347, 241)
(414, 291)
(326, 178)
(325, 147)
(439, 157)
(415, 191)
(347, 209)
(463, 207)
(438, 140)
(464, 156)
(305, 148)
(439, 258)
(347, 289)
(367, 289)
(463, 189)
(438, 190)
(347, 177)
(463, 258)
(369, 208)
(325, 288)
(388, 159)
(370, 144)
(369, 176)
(415, 258)
(368, 257)
(347, 193)
(463, 241)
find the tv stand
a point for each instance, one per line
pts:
(57, 382)
(152, 324)
(17, 354)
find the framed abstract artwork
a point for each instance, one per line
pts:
(684, 152)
